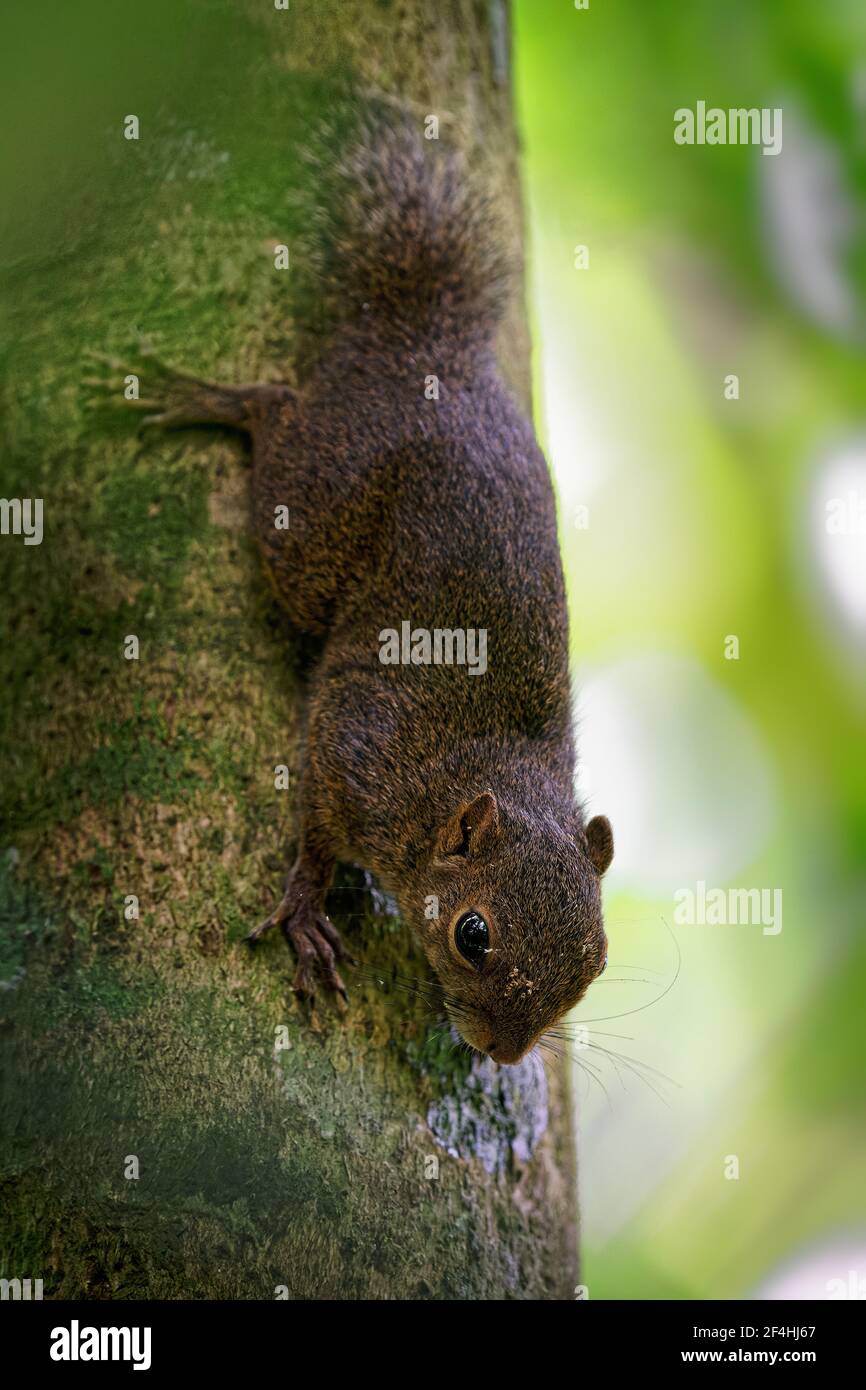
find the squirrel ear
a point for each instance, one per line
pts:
(470, 827)
(599, 843)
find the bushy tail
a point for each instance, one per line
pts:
(406, 236)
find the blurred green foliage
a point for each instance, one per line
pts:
(705, 519)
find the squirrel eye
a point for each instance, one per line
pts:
(472, 937)
(603, 967)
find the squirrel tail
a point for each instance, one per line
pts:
(405, 235)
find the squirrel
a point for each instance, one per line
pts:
(433, 518)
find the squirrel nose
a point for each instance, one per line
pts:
(504, 1053)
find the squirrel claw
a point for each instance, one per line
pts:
(253, 936)
(336, 984)
(303, 985)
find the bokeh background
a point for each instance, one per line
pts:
(689, 518)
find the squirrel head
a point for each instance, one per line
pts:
(519, 933)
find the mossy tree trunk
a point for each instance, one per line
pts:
(176, 1125)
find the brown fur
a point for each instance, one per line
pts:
(440, 513)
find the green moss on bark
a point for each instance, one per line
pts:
(307, 1166)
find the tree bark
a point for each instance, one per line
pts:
(176, 1125)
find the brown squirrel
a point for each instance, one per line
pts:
(431, 518)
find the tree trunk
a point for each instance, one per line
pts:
(176, 1125)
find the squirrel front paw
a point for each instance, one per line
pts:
(314, 940)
